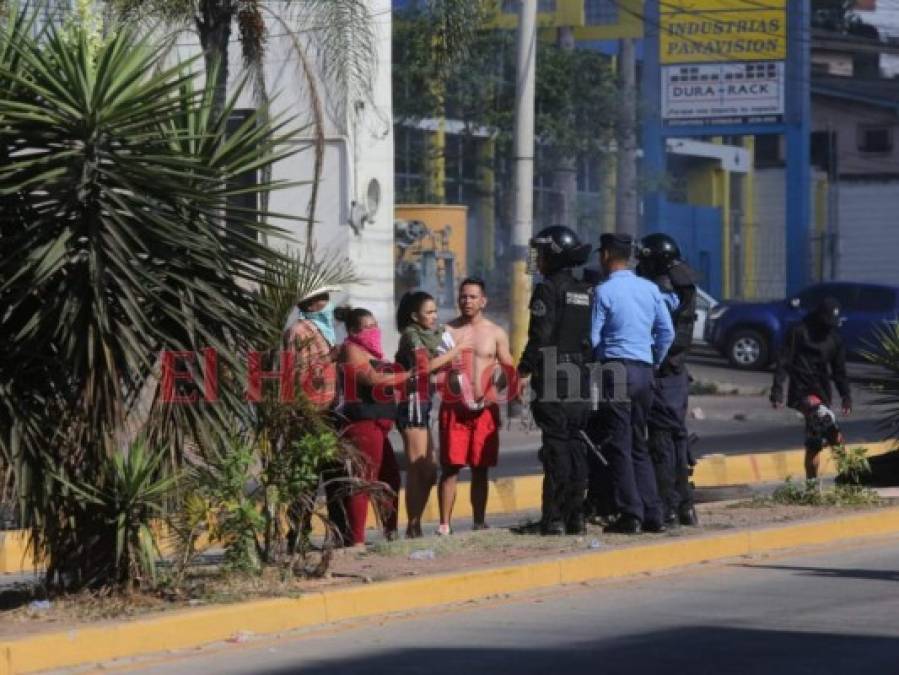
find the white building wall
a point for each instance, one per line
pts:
(869, 235)
(359, 150)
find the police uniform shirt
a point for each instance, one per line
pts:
(551, 305)
(671, 301)
(631, 320)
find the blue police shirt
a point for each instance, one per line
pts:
(671, 300)
(631, 320)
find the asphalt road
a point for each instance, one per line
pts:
(725, 424)
(822, 613)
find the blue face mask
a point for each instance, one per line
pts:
(324, 321)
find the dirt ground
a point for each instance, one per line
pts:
(22, 612)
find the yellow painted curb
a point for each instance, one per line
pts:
(523, 493)
(14, 554)
(763, 467)
(192, 628)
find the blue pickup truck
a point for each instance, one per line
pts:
(750, 334)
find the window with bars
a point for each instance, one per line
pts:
(600, 12)
(409, 164)
(543, 6)
(240, 208)
(875, 139)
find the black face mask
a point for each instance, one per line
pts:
(827, 314)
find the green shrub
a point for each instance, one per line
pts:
(117, 510)
(810, 493)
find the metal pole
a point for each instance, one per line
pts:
(626, 188)
(654, 157)
(526, 67)
(835, 223)
(798, 147)
(565, 173)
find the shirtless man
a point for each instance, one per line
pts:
(469, 419)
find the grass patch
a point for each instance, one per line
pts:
(810, 493)
(485, 541)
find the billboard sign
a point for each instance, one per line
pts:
(724, 93)
(722, 61)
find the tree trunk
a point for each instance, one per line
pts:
(213, 21)
(626, 188)
(564, 208)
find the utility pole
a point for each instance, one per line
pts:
(522, 229)
(833, 205)
(626, 186)
(565, 173)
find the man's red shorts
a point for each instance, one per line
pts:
(469, 437)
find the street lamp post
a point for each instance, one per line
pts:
(526, 64)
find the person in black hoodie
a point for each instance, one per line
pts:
(812, 356)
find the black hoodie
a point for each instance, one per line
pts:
(813, 354)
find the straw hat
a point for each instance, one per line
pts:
(315, 292)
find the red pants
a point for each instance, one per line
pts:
(370, 437)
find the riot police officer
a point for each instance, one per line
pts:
(659, 260)
(555, 363)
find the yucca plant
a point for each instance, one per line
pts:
(115, 179)
(883, 351)
(122, 502)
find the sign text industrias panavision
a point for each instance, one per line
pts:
(722, 61)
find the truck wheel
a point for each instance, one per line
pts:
(747, 349)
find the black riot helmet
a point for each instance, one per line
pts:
(560, 247)
(656, 254)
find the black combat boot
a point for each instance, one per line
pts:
(552, 528)
(671, 518)
(687, 516)
(575, 524)
(625, 524)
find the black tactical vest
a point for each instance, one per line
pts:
(682, 280)
(574, 305)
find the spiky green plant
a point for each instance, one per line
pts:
(883, 351)
(115, 177)
(121, 502)
(288, 280)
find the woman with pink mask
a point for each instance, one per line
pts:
(370, 410)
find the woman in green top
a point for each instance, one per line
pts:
(420, 339)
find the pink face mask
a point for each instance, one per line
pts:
(370, 340)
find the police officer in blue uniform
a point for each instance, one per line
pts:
(555, 362)
(631, 333)
(659, 261)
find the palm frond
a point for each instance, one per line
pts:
(342, 43)
(290, 279)
(116, 178)
(883, 350)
